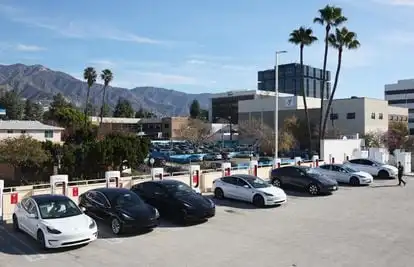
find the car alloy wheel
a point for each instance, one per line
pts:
(116, 226)
(15, 223)
(354, 181)
(313, 189)
(41, 239)
(277, 182)
(218, 193)
(258, 201)
(383, 174)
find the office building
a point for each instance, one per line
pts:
(289, 80)
(224, 106)
(348, 116)
(401, 94)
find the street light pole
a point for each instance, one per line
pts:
(277, 103)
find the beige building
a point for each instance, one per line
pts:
(348, 116)
(34, 129)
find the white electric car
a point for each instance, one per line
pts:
(373, 167)
(248, 188)
(345, 174)
(54, 221)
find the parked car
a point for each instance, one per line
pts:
(194, 158)
(121, 208)
(266, 161)
(373, 167)
(345, 174)
(248, 188)
(158, 162)
(55, 221)
(176, 200)
(302, 178)
(213, 156)
(245, 154)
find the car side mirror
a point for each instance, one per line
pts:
(82, 209)
(246, 186)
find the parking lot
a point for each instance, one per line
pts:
(365, 226)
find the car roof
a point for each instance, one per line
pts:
(48, 197)
(164, 182)
(244, 176)
(111, 191)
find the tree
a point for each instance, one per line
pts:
(107, 77)
(203, 115)
(303, 37)
(123, 109)
(255, 131)
(374, 139)
(142, 113)
(340, 40)
(195, 131)
(89, 74)
(59, 101)
(195, 109)
(397, 135)
(24, 152)
(329, 16)
(105, 111)
(32, 111)
(91, 109)
(13, 104)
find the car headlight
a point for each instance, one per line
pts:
(127, 217)
(188, 206)
(53, 231)
(267, 194)
(157, 213)
(92, 225)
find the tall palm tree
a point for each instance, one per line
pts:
(342, 39)
(303, 37)
(330, 17)
(89, 74)
(106, 77)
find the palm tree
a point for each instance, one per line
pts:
(303, 37)
(343, 38)
(107, 77)
(89, 74)
(330, 17)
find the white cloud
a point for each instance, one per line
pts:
(29, 48)
(396, 2)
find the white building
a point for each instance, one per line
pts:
(34, 129)
(401, 94)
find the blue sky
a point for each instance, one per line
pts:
(204, 46)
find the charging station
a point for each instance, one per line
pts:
(157, 173)
(113, 178)
(315, 160)
(298, 161)
(195, 174)
(59, 180)
(253, 166)
(226, 168)
(278, 163)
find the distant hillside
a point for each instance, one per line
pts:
(40, 83)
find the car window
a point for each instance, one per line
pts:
(337, 169)
(366, 162)
(153, 189)
(28, 205)
(229, 180)
(98, 198)
(325, 167)
(24, 203)
(355, 161)
(128, 200)
(31, 207)
(241, 182)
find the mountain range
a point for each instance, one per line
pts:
(39, 83)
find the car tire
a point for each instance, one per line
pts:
(218, 193)
(354, 181)
(16, 227)
(276, 182)
(313, 189)
(41, 239)
(383, 174)
(116, 226)
(258, 201)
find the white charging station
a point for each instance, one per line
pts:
(195, 177)
(1, 199)
(157, 173)
(112, 178)
(226, 168)
(59, 180)
(253, 166)
(315, 160)
(298, 160)
(278, 163)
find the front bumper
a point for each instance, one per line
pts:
(200, 215)
(139, 225)
(61, 241)
(328, 189)
(271, 201)
(366, 181)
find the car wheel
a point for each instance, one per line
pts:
(116, 226)
(41, 239)
(313, 189)
(354, 181)
(276, 182)
(218, 193)
(15, 223)
(383, 174)
(258, 201)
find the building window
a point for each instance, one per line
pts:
(334, 116)
(9, 131)
(48, 134)
(405, 118)
(373, 115)
(380, 116)
(350, 116)
(23, 132)
(166, 126)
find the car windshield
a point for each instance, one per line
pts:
(256, 182)
(179, 189)
(349, 169)
(56, 209)
(128, 200)
(377, 162)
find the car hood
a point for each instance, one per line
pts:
(389, 167)
(195, 200)
(77, 223)
(138, 211)
(273, 190)
(363, 174)
(322, 178)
